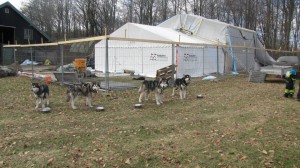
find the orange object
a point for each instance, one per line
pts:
(80, 63)
(48, 79)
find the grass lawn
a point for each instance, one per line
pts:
(236, 124)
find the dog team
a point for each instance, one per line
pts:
(87, 89)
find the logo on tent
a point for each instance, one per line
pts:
(189, 58)
(158, 57)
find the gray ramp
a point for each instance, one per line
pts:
(257, 77)
(67, 77)
(118, 85)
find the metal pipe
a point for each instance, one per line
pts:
(218, 59)
(62, 64)
(106, 65)
(173, 58)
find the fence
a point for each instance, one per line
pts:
(115, 60)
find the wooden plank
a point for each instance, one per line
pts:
(166, 72)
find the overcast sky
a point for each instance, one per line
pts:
(15, 3)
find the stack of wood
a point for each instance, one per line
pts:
(166, 72)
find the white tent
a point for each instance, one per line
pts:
(197, 60)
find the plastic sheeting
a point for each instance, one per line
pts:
(28, 62)
(209, 78)
(146, 58)
(206, 29)
(139, 58)
(217, 32)
(288, 60)
(199, 61)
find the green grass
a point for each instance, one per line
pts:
(236, 124)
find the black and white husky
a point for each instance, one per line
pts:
(41, 93)
(182, 84)
(156, 86)
(84, 89)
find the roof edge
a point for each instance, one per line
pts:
(24, 17)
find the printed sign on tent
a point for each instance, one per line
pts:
(189, 57)
(158, 57)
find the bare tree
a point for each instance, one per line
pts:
(297, 25)
(41, 13)
(274, 20)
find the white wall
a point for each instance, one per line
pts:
(199, 61)
(146, 58)
(143, 58)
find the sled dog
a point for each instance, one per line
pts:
(156, 86)
(41, 93)
(85, 89)
(182, 84)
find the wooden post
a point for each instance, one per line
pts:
(31, 57)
